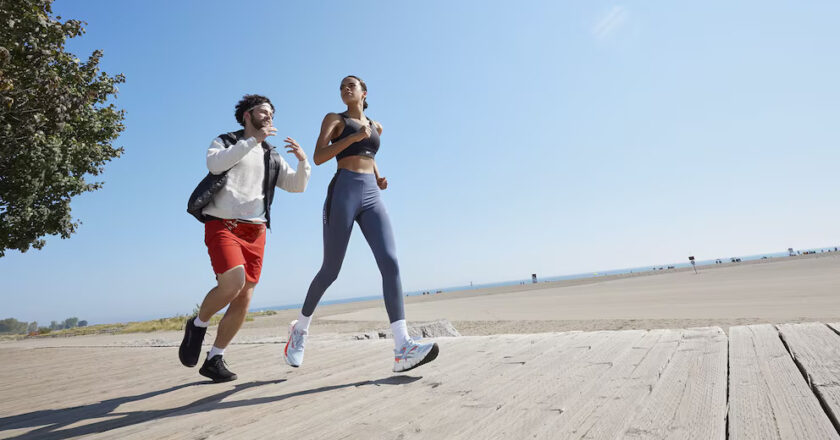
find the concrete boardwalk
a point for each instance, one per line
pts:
(761, 382)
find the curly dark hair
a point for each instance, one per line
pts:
(248, 102)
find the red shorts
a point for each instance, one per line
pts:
(232, 244)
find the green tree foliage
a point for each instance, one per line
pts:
(12, 326)
(33, 327)
(56, 124)
(83, 323)
(71, 322)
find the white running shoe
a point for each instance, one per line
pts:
(293, 353)
(412, 355)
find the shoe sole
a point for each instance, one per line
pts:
(182, 351)
(286, 349)
(433, 353)
(217, 380)
(286, 359)
(181, 356)
(187, 364)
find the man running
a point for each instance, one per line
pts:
(235, 221)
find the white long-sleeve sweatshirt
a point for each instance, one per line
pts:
(242, 196)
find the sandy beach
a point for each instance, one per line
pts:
(132, 386)
(795, 289)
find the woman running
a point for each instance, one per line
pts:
(353, 196)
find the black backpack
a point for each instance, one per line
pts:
(211, 183)
(203, 193)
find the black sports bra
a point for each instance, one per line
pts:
(367, 147)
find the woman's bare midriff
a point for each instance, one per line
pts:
(357, 164)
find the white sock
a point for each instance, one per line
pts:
(199, 323)
(303, 321)
(400, 331)
(214, 351)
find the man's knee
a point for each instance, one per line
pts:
(232, 282)
(246, 292)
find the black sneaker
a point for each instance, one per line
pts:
(190, 349)
(216, 369)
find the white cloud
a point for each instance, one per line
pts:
(610, 22)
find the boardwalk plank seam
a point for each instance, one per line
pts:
(798, 363)
(728, 387)
(814, 388)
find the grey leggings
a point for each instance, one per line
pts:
(355, 197)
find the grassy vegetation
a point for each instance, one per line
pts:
(173, 323)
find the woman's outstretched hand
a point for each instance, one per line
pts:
(382, 183)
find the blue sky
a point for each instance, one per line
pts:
(519, 137)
